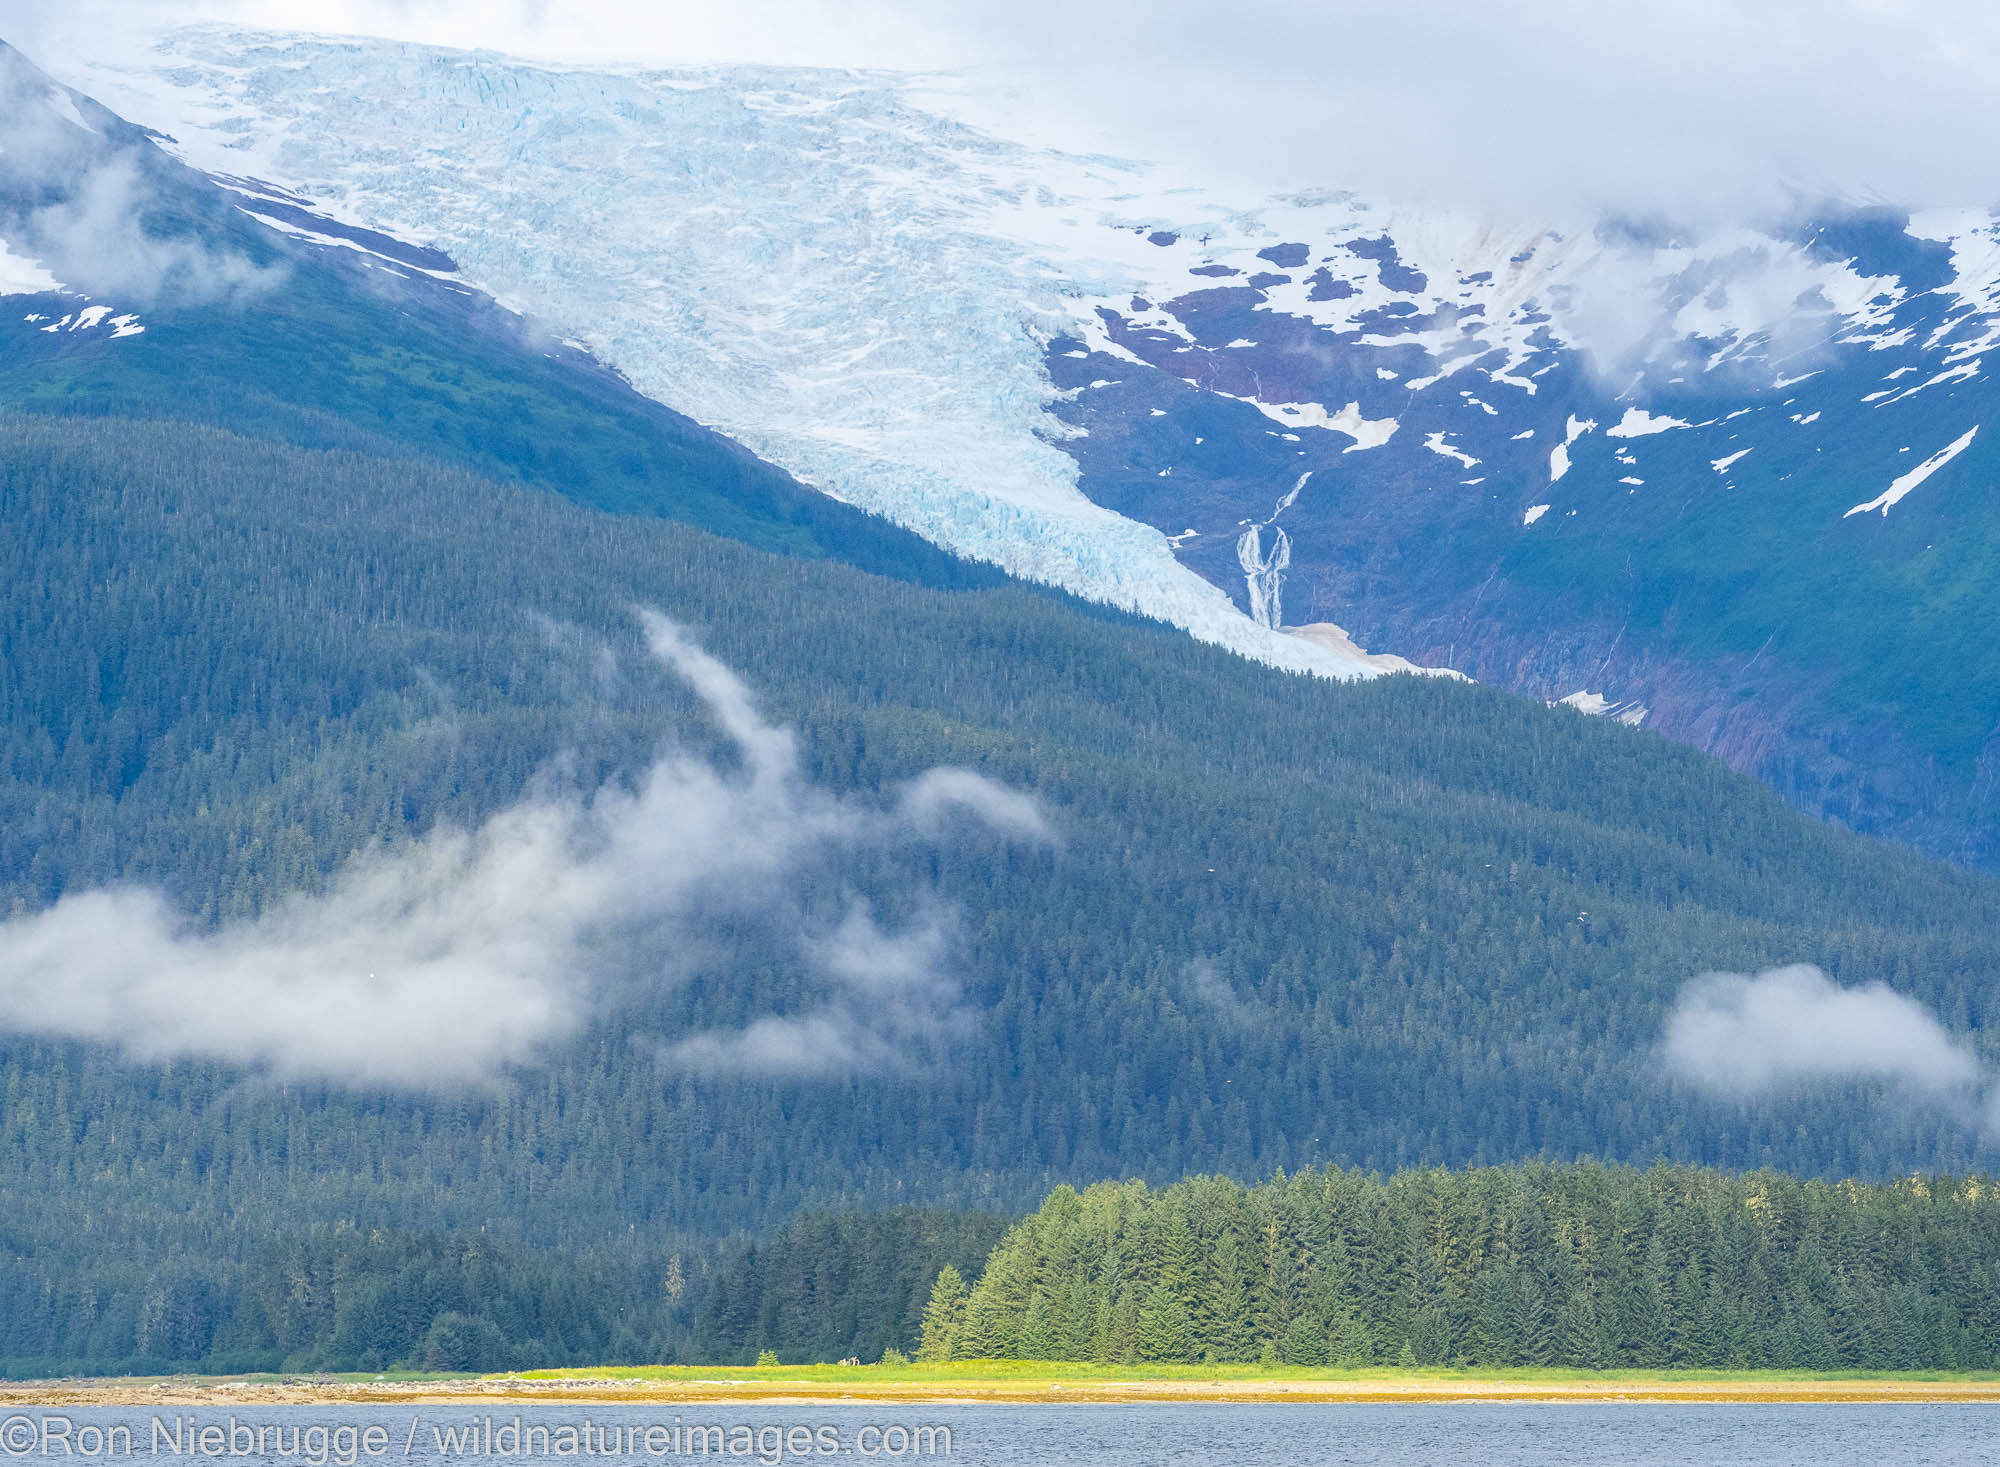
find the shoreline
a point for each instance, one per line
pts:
(743, 1390)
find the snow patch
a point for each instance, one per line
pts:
(1895, 492)
(1963, 372)
(1365, 432)
(66, 108)
(1638, 423)
(1631, 714)
(89, 319)
(1435, 442)
(1559, 455)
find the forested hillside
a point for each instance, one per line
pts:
(830, 1286)
(1583, 1266)
(333, 1297)
(825, 1286)
(1281, 921)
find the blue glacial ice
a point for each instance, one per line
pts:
(804, 260)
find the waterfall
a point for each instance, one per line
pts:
(1265, 577)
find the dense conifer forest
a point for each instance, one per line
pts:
(835, 1286)
(1584, 1266)
(1283, 922)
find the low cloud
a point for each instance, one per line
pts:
(1741, 1038)
(96, 241)
(1213, 994)
(470, 951)
(936, 795)
(97, 219)
(1705, 111)
(1732, 303)
(894, 998)
(1717, 110)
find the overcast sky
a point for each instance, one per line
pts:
(1696, 109)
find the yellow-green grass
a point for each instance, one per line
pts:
(1027, 1382)
(1022, 1380)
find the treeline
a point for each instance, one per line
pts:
(1585, 1266)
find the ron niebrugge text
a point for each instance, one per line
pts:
(324, 1444)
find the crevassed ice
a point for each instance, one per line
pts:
(800, 259)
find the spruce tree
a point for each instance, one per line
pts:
(1165, 1332)
(1579, 1341)
(944, 1317)
(1224, 1317)
(1037, 1339)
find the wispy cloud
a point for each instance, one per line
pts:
(87, 206)
(469, 951)
(1742, 1037)
(894, 999)
(1212, 992)
(97, 240)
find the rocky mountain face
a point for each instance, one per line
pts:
(1760, 526)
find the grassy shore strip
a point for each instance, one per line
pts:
(1032, 1381)
(1008, 1381)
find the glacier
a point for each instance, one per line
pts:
(806, 261)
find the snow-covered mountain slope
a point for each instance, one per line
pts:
(1734, 487)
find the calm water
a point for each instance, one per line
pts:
(1114, 1436)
